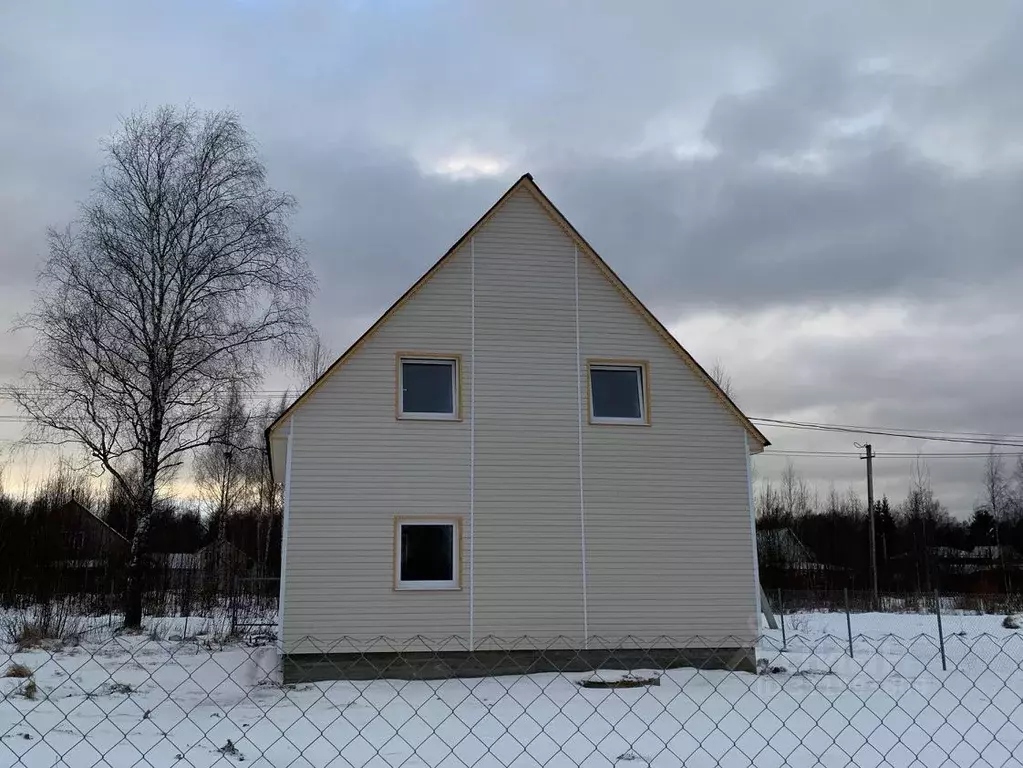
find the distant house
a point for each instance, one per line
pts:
(984, 568)
(980, 568)
(86, 554)
(83, 539)
(786, 562)
(218, 563)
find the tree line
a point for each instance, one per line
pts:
(235, 508)
(920, 545)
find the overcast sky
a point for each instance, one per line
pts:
(826, 197)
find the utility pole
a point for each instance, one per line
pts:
(870, 513)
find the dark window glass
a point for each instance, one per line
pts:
(427, 552)
(427, 387)
(616, 393)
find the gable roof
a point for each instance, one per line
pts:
(89, 514)
(781, 545)
(525, 182)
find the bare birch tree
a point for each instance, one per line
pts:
(316, 357)
(172, 287)
(723, 378)
(996, 489)
(220, 469)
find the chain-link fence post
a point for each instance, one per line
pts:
(234, 608)
(781, 620)
(848, 621)
(941, 632)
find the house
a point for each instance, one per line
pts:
(787, 563)
(781, 547)
(87, 553)
(217, 565)
(84, 540)
(516, 448)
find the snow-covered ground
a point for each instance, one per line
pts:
(131, 700)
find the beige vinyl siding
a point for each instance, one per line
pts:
(355, 467)
(528, 566)
(669, 549)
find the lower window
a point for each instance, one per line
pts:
(426, 554)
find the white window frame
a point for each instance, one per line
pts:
(456, 406)
(637, 366)
(455, 583)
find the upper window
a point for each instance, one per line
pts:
(618, 393)
(428, 387)
(427, 554)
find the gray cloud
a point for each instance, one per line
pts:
(729, 158)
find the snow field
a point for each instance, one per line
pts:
(128, 700)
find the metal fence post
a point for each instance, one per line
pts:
(941, 632)
(781, 619)
(848, 621)
(234, 609)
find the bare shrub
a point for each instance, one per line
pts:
(27, 636)
(18, 670)
(50, 621)
(800, 623)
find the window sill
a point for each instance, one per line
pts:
(619, 422)
(408, 588)
(428, 417)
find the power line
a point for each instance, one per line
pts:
(885, 454)
(827, 425)
(934, 435)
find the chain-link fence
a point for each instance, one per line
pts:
(129, 700)
(815, 613)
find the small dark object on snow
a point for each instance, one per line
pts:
(628, 680)
(767, 669)
(27, 736)
(120, 688)
(1011, 622)
(629, 756)
(812, 673)
(229, 749)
